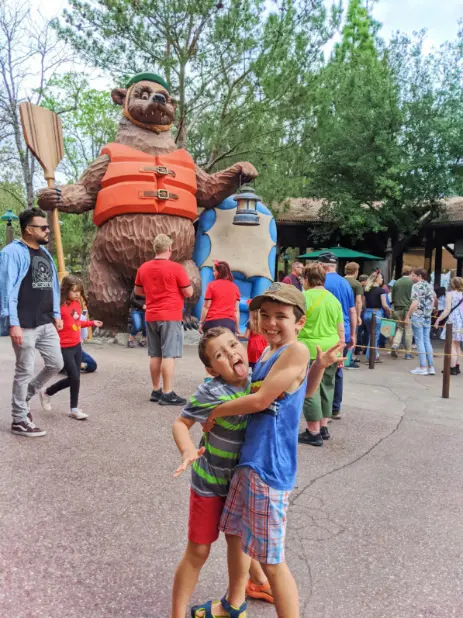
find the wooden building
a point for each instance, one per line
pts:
(439, 243)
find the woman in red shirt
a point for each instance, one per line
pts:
(221, 301)
(72, 291)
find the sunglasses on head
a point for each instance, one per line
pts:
(44, 228)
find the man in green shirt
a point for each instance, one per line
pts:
(401, 301)
(351, 271)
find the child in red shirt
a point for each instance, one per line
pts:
(256, 342)
(72, 292)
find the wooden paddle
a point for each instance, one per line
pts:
(44, 138)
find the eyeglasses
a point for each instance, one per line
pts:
(44, 228)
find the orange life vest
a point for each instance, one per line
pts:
(136, 182)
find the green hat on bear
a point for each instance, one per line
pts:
(149, 77)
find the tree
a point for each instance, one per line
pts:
(29, 54)
(89, 120)
(387, 130)
(242, 69)
(356, 122)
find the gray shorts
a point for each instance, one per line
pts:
(165, 339)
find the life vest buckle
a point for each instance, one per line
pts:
(163, 194)
(161, 170)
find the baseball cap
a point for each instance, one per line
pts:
(283, 293)
(326, 257)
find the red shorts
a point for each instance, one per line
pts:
(204, 518)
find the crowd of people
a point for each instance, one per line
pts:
(300, 334)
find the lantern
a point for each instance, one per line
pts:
(246, 209)
(9, 216)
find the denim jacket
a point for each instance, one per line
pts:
(15, 260)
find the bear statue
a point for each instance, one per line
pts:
(140, 186)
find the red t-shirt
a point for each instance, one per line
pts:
(163, 281)
(223, 295)
(256, 345)
(69, 335)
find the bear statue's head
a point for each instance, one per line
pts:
(146, 102)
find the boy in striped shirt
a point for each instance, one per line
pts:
(213, 464)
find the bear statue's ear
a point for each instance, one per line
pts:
(118, 95)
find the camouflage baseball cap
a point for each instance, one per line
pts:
(283, 293)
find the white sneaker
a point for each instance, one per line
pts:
(77, 414)
(45, 400)
(420, 372)
(431, 371)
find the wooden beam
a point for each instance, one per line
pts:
(460, 267)
(438, 264)
(451, 251)
(428, 252)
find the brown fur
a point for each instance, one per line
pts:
(123, 243)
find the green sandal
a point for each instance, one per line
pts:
(233, 612)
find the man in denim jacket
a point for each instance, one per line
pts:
(30, 309)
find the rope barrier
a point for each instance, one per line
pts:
(403, 350)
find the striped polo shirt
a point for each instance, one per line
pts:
(212, 472)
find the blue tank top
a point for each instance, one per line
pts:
(270, 444)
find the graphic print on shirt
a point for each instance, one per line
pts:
(42, 277)
(273, 408)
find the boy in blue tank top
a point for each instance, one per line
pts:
(254, 516)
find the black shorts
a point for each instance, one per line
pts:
(225, 322)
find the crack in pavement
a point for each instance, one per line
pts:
(293, 500)
(367, 452)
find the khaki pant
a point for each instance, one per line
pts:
(399, 315)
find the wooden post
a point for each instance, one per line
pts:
(428, 252)
(399, 263)
(460, 267)
(438, 264)
(372, 359)
(447, 359)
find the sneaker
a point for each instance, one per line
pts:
(419, 371)
(130, 343)
(408, 356)
(28, 429)
(156, 395)
(171, 399)
(259, 591)
(457, 367)
(431, 371)
(394, 352)
(308, 438)
(45, 400)
(142, 343)
(453, 371)
(77, 414)
(325, 434)
(336, 414)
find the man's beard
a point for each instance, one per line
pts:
(42, 241)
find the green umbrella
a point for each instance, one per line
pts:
(341, 253)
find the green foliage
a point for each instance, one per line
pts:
(382, 143)
(242, 73)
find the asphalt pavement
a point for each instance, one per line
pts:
(92, 523)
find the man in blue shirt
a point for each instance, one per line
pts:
(340, 288)
(30, 310)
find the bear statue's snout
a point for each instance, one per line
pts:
(159, 98)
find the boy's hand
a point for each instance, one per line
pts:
(188, 458)
(209, 424)
(98, 323)
(333, 355)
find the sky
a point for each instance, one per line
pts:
(439, 17)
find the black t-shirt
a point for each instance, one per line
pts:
(35, 299)
(373, 298)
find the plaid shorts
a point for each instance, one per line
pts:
(257, 514)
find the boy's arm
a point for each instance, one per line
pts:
(282, 375)
(181, 432)
(317, 368)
